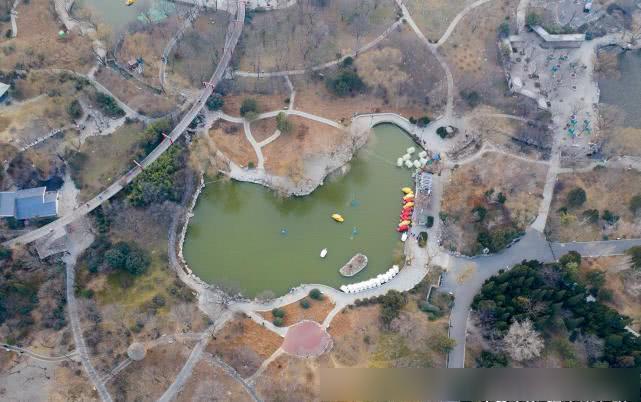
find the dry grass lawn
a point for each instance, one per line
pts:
(37, 44)
(230, 139)
(135, 95)
(244, 344)
(23, 122)
(209, 382)
(521, 182)
(294, 153)
(294, 313)
(148, 379)
(269, 93)
(606, 189)
(263, 129)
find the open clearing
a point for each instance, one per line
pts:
(196, 55)
(520, 182)
(230, 139)
(269, 93)
(108, 157)
(606, 189)
(295, 153)
(244, 344)
(434, 16)
(472, 54)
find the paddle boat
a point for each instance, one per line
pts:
(408, 197)
(407, 190)
(338, 218)
(405, 223)
(402, 228)
(408, 205)
(404, 237)
(323, 253)
(130, 2)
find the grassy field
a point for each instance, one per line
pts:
(294, 313)
(606, 189)
(434, 16)
(306, 35)
(108, 157)
(210, 382)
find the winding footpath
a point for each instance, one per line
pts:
(49, 359)
(233, 35)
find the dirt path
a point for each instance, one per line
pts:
(521, 14)
(457, 19)
(323, 66)
(25, 352)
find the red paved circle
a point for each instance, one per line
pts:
(306, 339)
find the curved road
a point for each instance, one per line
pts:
(233, 35)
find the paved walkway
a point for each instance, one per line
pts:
(457, 19)
(234, 31)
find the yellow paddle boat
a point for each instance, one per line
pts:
(130, 2)
(338, 218)
(405, 223)
(408, 205)
(408, 197)
(407, 190)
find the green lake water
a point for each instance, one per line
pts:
(236, 234)
(117, 15)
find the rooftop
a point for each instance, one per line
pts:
(3, 89)
(29, 204)
(557, 38)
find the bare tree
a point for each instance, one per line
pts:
(522, 342)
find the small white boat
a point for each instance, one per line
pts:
(404, 236)
(323, 253)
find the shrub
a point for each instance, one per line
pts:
(501, 198)
(74, 109)
(635, 204)
(278, 312)
(635, 257)
(423, 121)
(430, 221)
(504, 29)
(158, 182)
(316, 294)
(348, 61)
(533, 19)
(422, 239)
(610, 217)
(472, 98)
(108, 105)
(570, 257)
(249, 108)
(158, 301)
(488, 359)
(215, 102)
(283, 123)
(5, 253)
(576, 197)
(278, 321)
(304, 303)
(442, 132)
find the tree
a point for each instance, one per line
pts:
(576, 197)
(316, 294)
(635, 204)
(522, 342)
(571, 256)
(635, 257)
(346, 82)
(278, 312)
(249, 108)
(128, 257)
(501, 198)
(283, 123)
(304, 303)
(442, 343)
(215, 102)
(609, 217)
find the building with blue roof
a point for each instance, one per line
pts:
(29, 204)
